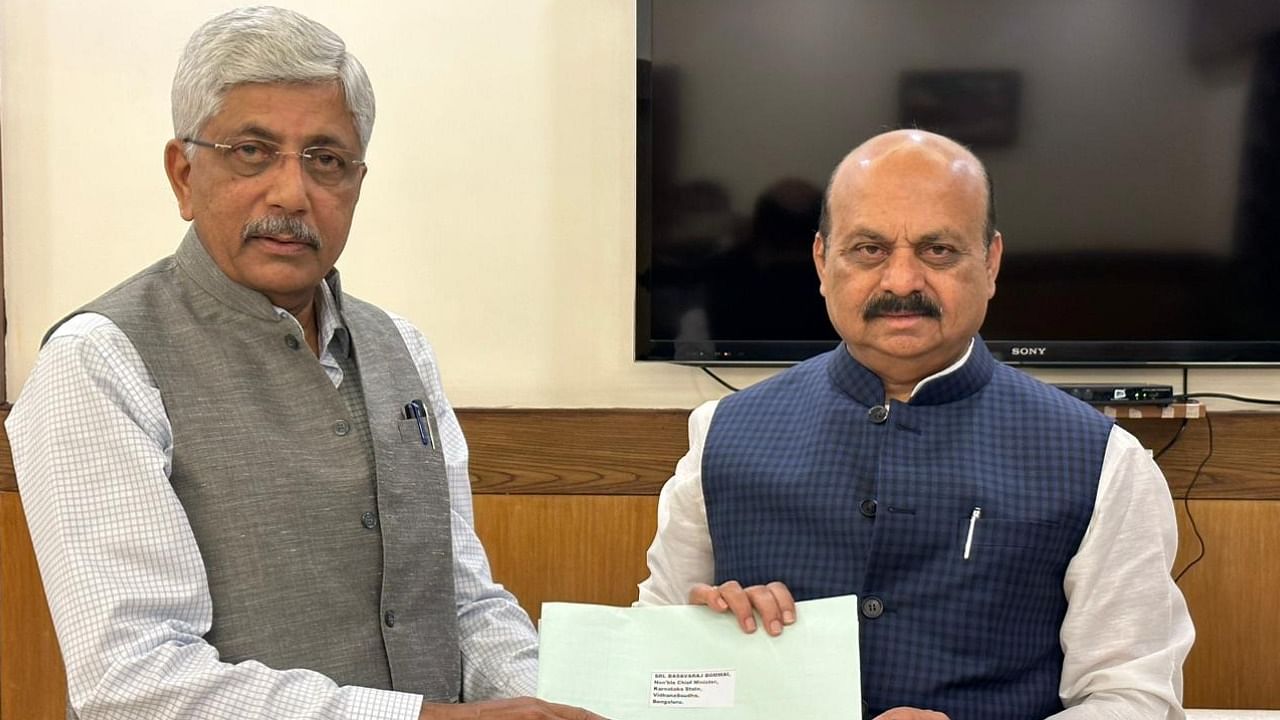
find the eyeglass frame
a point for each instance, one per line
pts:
(277, 153)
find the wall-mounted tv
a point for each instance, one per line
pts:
(1134, 146)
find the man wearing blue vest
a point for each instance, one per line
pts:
(247, 492)
(1010, 546)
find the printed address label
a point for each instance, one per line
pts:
(692, 688)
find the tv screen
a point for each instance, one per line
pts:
(1134, 146)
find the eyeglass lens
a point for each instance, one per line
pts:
(325, 165)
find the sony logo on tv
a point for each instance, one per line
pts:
(1027, 351)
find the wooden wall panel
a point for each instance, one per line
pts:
(8, 481)
(632, 452)
(32, 681)
(1232, 594)
(1245, 464)
(579, 452)
(547, 548)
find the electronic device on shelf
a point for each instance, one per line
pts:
(1131, 145)
(1102, 394)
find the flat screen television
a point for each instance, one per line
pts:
(1134, 146)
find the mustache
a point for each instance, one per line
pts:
(283, 225)
(889, 304)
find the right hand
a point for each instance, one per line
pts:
(524, 708)
(773, 602)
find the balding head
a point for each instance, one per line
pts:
(908, 254)
(918, 147)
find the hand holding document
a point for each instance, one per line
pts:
(685, 662)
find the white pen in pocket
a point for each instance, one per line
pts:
(968, 540)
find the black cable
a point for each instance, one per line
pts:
(1186, 499)
(1228, 396)
(1172, 440)
(715, 377)
(1186, 496)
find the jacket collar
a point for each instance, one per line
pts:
(952, 384)
(195, 261)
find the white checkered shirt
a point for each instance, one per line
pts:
(126, 585)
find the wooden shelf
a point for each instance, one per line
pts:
(1176, 411)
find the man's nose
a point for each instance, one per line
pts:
(902, 273)
(288, 183)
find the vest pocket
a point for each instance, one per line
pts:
(411, 434)
(1027, 554)
(989, 532)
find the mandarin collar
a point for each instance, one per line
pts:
(864, 386)
(196, 263)
(201, 268)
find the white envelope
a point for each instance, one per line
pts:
(689, 663)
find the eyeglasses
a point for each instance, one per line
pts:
(325, 165)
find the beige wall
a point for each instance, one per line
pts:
(497, 215)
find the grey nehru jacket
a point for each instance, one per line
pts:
(322, 518)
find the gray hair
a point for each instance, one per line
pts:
(264, 45)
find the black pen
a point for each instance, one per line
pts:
(418, 412)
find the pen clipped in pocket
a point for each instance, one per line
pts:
(418, 424)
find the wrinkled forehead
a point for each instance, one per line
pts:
(269, 109)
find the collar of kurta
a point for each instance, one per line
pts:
(863, 385)
(196, 263)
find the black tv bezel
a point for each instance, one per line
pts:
(1057, 353)
(766, 353)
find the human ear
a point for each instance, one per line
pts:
(820, 262)
(994, 252)
(178, 167)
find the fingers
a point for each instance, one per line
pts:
(568, 712)
(909, 713)
(523, 708)
(723, 598)
(773, 603)
(739, 604)
(709, 595)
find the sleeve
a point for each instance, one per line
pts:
(681, 553)
(498, 642)
(1127, 629)
(122, 571)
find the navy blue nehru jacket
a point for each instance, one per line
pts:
(807, 480)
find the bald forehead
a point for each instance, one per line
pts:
(914, 164)
(914, 151)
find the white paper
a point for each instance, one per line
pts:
(610, 660)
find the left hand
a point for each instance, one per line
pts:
(773, 602)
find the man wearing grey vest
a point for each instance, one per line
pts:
(247, 493)
(1010, 546)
